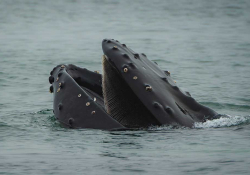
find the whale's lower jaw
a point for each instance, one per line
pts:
(120, 101)
(78, 102)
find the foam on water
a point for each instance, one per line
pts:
(225, 121)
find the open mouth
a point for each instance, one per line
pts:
(133, 92)
(120, 101)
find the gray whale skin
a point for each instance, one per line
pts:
(132, 93)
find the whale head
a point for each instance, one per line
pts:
(138, 93)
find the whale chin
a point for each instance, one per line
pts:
(120, 101)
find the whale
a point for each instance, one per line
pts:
(132, 92)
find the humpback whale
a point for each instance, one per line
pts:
(133, 92)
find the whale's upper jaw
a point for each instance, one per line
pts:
(120, 101)
(154, 88)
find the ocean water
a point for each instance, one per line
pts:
(204, 44)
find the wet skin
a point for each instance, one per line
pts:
(78, 106)
(132, 93)
(155, 88)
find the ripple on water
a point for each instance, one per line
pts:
(225, 105)
(203, 44)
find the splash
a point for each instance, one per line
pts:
(225, 121)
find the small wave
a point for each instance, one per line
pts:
(162, 128)
(44, 118)
(225, 121)
(44, 111)
(3, 125)
(225, 105)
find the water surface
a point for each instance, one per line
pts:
(204, 44)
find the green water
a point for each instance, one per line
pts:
(204, 44)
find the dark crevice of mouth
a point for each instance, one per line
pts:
(86, 79)
(183, 110)
(98, 99)
(120, 101)
(90, 91)
(110, 62)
